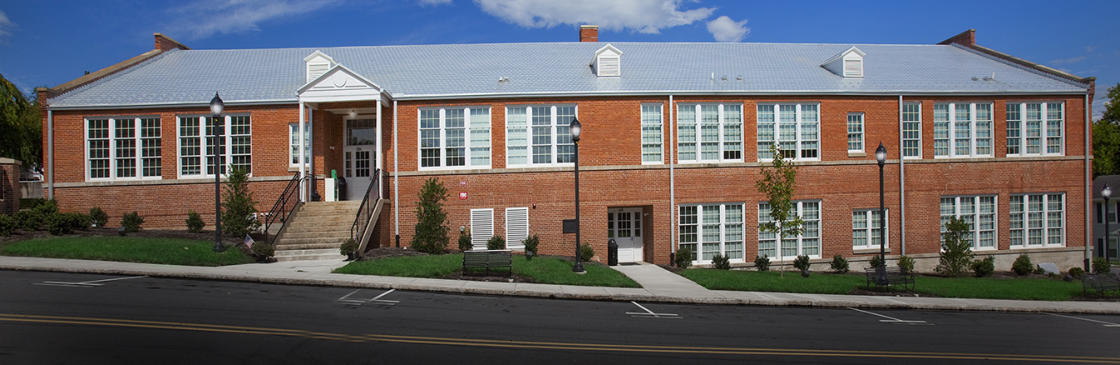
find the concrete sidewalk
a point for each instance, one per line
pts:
(659, 286)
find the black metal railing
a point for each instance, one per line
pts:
(283, 208)
(373, 193)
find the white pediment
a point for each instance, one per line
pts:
(339, 84)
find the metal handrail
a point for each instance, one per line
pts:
(281, 210)
(361, 219)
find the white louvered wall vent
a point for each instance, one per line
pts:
(607, 62)
(848, 64)
(482, 227)
(317, 64)
(517, 226)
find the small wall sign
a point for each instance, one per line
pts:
(462, 195)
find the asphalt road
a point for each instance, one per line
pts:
(172, 321)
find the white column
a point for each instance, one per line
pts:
(380, 151)
(302, 167)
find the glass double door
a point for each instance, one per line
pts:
(624, 226)
(359, 157)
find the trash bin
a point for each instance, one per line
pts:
(612, 252)
(341, 188)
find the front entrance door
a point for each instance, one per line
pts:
(624, 225)
(358, 157)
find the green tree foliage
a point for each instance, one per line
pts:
(1106, 137)
(956, 253)
(20, 125)
(238, 205)
(431, 220)
(777, 183)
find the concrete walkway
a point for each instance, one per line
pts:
(660, 286)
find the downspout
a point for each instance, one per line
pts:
(1088, 189)
(901, 183)
(50, 154)
(672, 186)
(396, 181)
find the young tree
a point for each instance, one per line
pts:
(238, 205)
(956, 250)
(777, 184)
(1106, 137)
(19, 125)
(431, 220)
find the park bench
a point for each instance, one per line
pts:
(488, 261)
(895, 277)
(1099, 282)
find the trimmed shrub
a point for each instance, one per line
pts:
(47, 208)
(98, 217)
(762, 263)
(465, 241)
(877, 262)
(531, 244)
(131, 222)
(238, 218)
(801, 263)
(194, 222)
(721, 262)
(956, 253)
(1077, 272)
(7, 225)
(1101, 265)
(984, 267)
(349, 248)
(586, 252)
(263, 250)
(496, 243)
(78, 221)
(683, 258)
(431, 220)
(839, 264)
(58, 224)
(28, 220)
(906, 264)
(1022, 265)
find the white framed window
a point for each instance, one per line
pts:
(537, 135)
(795, 128)
(855, 132)
(712, 229)
(1037, 220)
(517, 227)
(1035, 129)
(454, 137)
(482, 227)
(709, 132)
(293, 144)
(912, 130)
(651, 134)
(979, 212)
(867, 232)
(197, 144)
(962, 130)
(808, 243)
(123, 148)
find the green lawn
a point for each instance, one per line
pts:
(548, 270)
(172, 251)
(826, 283)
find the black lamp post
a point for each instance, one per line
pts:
(881, 158)
(216, 106)
(1106, 193)
(574, 128)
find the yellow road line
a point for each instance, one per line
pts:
(516, 344)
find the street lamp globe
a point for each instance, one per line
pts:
(1106, 192)
(575, 129)
(881, 154)
(216, 105)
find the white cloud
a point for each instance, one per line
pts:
(645, 16)
(724, 29)
(434, 2)
(6, 25)
(210, 17)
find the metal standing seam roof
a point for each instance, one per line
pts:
(473, 70)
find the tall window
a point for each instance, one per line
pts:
(962, 129)
(1035, 129)
(867, 233)
(855, 132)
(716, 229)
(651, 134)
(794, 127)
(1037, 220)
(709, 132)
(808, 243)
(293, 144)
(979, 212)
(538, 135)
(455, 137)
(197, 144)
(912, 130)
(123, 148)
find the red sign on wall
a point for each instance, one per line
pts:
(462, 195)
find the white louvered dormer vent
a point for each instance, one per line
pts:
(847, 64)
(607, 62)
(482, 227)
(317, 64)
(517, 227)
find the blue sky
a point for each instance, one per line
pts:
(46, 43)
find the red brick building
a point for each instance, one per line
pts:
(674, 136)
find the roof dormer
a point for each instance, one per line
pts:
(847, 64)
(607, 62)
(317, 64)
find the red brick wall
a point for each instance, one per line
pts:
(9, 188)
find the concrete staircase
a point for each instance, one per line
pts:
(316, 231)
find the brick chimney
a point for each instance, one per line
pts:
(165, 43)
(589, 33)
(966, 38)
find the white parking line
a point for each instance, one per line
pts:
(345, 299)
(1102, 323)
(86, 284)
(890, 319)
(650, 314)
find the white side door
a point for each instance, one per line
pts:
(625, 227)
